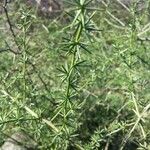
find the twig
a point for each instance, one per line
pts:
(10, 27)
(123, 5)
(19, 119)
(112, 16)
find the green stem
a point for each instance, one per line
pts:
(24, 64)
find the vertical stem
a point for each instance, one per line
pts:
(24, 64)
(76, 39)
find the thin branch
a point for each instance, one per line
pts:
(19, 119)
(10, 27)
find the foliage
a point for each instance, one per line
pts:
(80, 81)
